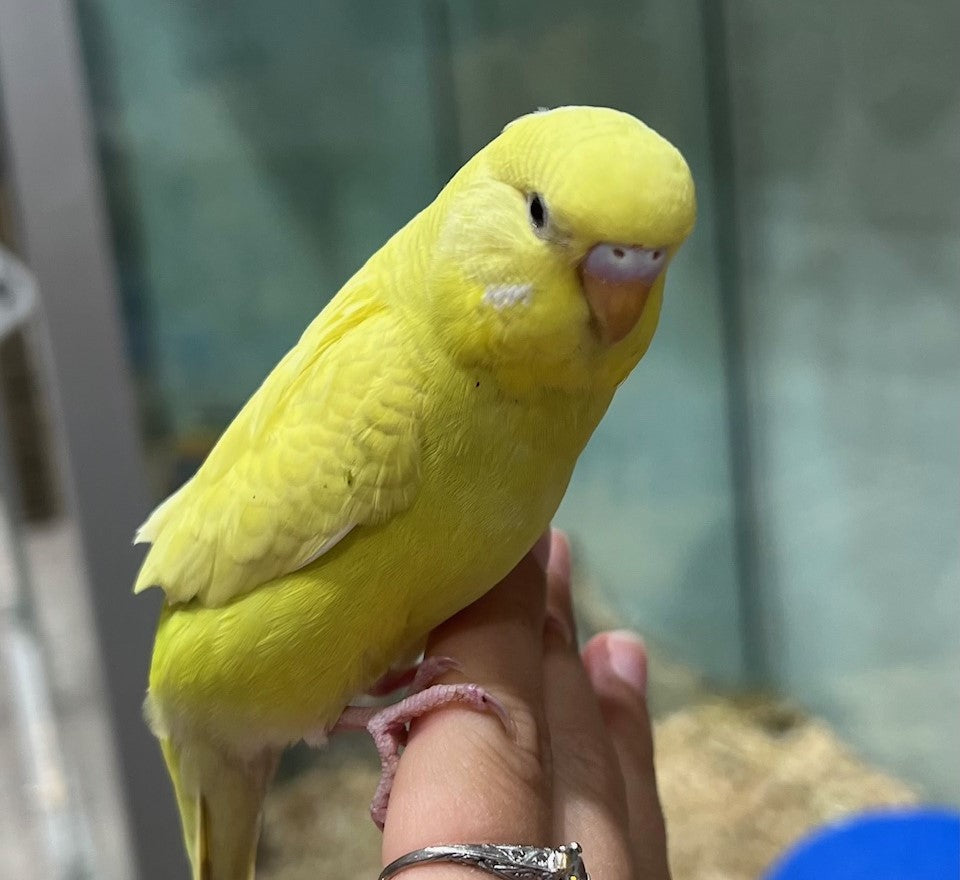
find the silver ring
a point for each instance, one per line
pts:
(508, 861)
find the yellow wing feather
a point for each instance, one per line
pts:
(330, 441)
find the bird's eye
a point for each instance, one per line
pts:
(538, 211)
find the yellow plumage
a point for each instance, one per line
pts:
(399, 460)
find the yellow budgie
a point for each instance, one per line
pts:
(402, 458)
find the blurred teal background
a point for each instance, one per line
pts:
(773, 497)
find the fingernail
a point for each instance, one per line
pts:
(627, 655)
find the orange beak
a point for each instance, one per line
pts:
(616, 281)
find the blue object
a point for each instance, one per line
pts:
(915, 844)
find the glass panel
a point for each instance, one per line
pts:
(849, 182)
(253, 162)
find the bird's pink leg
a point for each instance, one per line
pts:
(415, 677)
(388, 727)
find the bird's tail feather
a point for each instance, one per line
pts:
(221, 801)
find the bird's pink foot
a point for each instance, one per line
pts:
(388, 727)
(416, 678)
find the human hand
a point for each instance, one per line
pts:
(581, 764)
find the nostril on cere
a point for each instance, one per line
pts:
(618, 263)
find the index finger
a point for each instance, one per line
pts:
(462, 779)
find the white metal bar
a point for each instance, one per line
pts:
(63, 235)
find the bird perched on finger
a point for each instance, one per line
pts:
(401, 459)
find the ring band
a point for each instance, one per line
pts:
(507, 861)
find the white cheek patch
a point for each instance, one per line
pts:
(502, 296)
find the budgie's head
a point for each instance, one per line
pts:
(552, 245)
